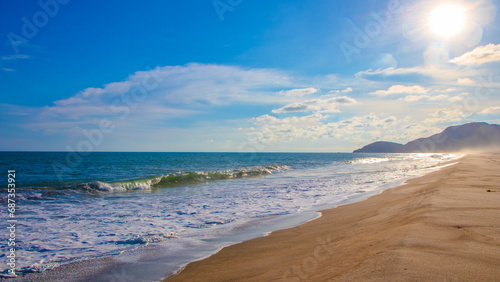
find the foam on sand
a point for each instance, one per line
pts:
(442, 226)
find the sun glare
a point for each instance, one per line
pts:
(447, 20)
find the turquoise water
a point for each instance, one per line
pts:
(62, 169)
(118, 204)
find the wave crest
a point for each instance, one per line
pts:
(181, 178)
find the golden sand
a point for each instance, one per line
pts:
(442, 226)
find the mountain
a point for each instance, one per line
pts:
(381, 147)
(476, 135)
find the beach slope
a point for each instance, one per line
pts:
(442, 226)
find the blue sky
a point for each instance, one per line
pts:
(240, 75)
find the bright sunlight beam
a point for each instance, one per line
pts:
(447, 20)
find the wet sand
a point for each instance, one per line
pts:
(442, 226)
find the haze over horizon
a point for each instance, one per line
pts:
(243, 75)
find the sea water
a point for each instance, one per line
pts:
(177, 207)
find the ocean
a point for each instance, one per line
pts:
(145, 215)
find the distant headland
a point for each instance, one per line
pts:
(469, 136)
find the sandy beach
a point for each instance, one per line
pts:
(442, 226)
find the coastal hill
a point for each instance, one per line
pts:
(470, 136)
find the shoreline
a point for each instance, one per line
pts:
(285, 224)
(397, 234)
(152, 260)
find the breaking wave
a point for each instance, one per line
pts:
(181, 178)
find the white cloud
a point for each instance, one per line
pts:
(270, 121)
(421, 75)
(414, 98)
(15, 57)
(401, 89)
(465, 81)
(163, 93)
(445, 115)
(480, 55)
(317, 105)
(342, 100)
(296, 107)
(491, 111)
(157, 99)
(299, 92)
(347, 90)
(70, 101)
(270, 129)
(192, 83)
(438, 97)
(455, 99)
(416, 75)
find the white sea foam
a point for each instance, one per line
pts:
(73, 227)
(180, 178)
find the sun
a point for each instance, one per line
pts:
(447, 20)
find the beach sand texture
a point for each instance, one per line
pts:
(442, 226)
